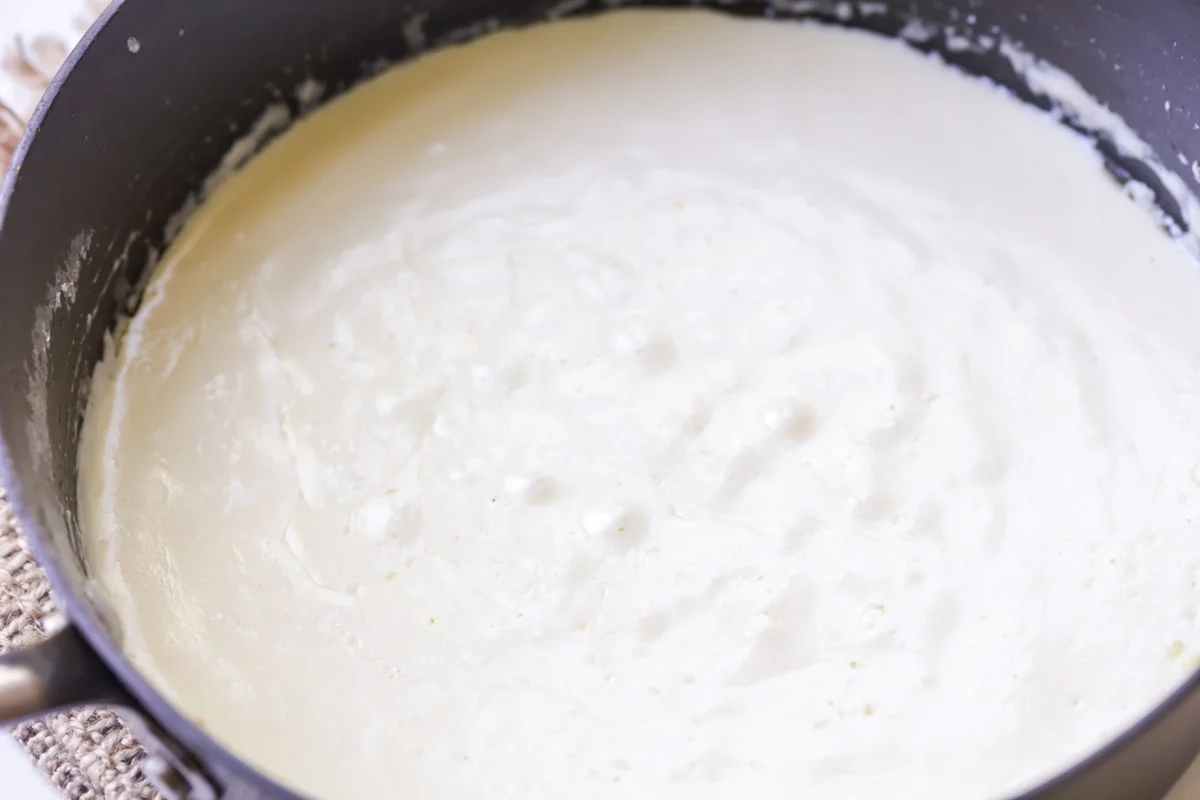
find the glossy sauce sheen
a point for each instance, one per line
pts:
(659, 405)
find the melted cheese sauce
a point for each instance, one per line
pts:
(659, 405)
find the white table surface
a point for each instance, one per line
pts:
(18, 777)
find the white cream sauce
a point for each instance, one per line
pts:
(659, 405)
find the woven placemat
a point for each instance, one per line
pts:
(88, 753)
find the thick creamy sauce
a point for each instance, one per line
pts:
(659, 405)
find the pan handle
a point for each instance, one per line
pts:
(61, 672)
(64, 672)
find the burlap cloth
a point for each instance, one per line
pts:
(87, 753)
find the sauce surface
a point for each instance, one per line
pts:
(659, 405)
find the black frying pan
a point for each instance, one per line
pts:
(124, 138)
